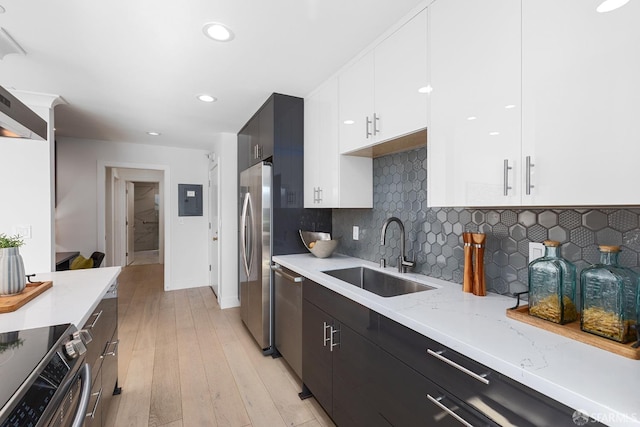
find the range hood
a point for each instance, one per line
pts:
(19, 121)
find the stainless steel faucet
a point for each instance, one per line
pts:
(403, 263)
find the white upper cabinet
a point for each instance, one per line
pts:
(569, 140)
(331, 180)
(474, 142)
(581, 100)
(356, 105)
(382, 95)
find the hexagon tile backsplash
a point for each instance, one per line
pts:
(434, 235)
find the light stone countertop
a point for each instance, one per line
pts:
(604, 385)
(72, 299)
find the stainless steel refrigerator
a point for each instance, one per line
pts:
(255, 253)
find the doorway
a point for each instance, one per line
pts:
(214, 226)
(134, 220)
(143, 223)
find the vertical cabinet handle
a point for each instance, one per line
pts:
(528, 184)
(368, 122)
(375, 124)
(326, 337)
(506, 170)
(319, 194)
(332, 343)
(436, 401)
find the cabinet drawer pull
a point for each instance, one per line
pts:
(92, 414)
(368, 131)
(528, 175)
(326, 338)
(438, 355)
(334, 344)
(436, 401)
(111, 353)
(95, 321)
(507, 168)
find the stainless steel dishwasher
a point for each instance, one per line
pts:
(288, 316)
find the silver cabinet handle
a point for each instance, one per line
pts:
(319, 194)
(507, 168)
(528, 184)
(438, 355)
(114, 352)
(368, 123)
(333, 344)
(326, 339)
(375, 124)
(436, 401)
(278, 271)
(92, 414)
(95, 321)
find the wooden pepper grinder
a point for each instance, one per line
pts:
(479, 240)
(467, 283)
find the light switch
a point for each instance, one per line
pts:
(23, 231)
(191, 193)
(356, 232)
(536, 250)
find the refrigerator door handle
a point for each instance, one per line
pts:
(246, 238)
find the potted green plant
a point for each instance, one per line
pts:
(12, 277)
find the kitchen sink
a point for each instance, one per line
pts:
(377, 282)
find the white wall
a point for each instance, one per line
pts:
(225, 147)
(80, 211)
(27, 188)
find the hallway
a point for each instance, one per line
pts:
(184, 362)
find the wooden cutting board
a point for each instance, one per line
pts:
(14, 302)
(572, 330)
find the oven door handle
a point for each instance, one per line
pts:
(85, 395)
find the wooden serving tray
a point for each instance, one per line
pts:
(14, 302)
(572, 330)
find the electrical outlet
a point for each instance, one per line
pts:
(356, 232)
(536, 250)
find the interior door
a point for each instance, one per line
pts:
(130, 222)
(214, 228)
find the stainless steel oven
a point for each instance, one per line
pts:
(45, 379)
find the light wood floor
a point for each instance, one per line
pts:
(183, 362)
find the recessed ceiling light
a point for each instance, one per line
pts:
(349, 122)
(426, 89)
(471, 118)
(494, 133)
(510, 106)
(217, 31)
(207, 98)
(154, 133)
(609, 5)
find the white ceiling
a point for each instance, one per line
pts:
(127, 67)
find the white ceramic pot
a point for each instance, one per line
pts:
(12, 277)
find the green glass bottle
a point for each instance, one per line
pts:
(609, 298)
(552, 286)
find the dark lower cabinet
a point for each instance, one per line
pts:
(102, 355)
(337, 366)
(368, 370)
